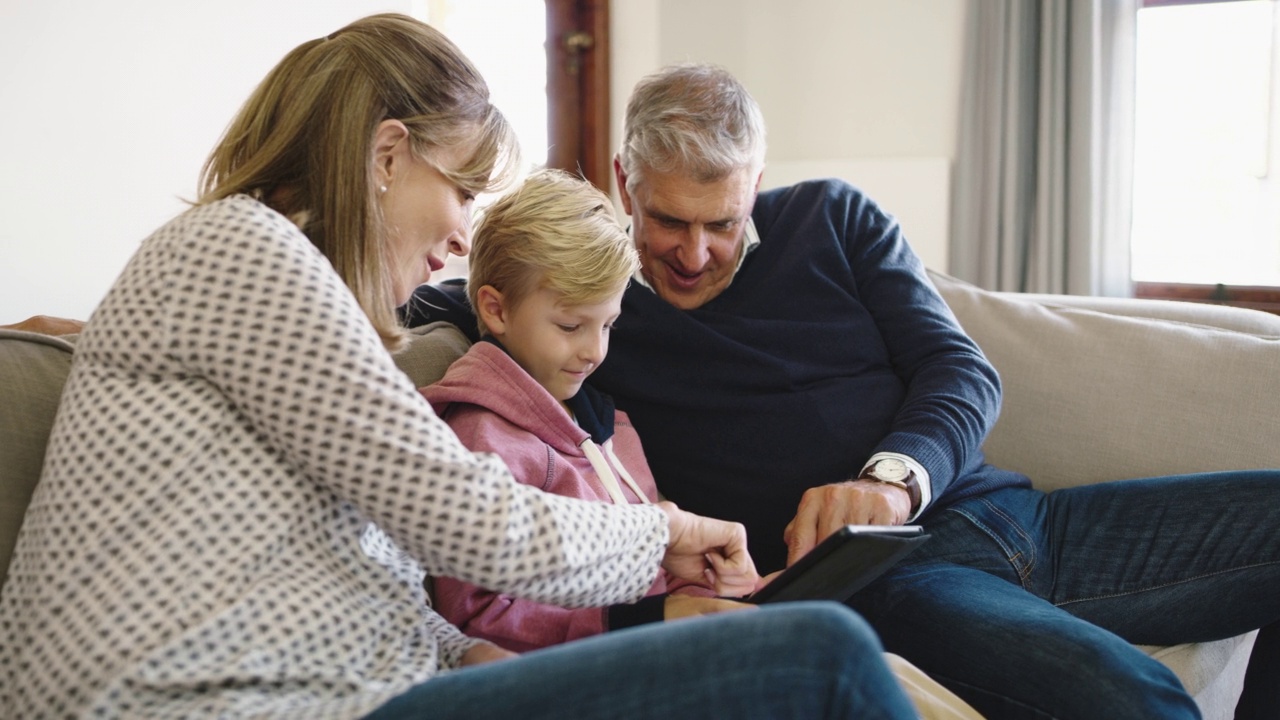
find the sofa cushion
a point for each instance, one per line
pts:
(33, 369)
(1092, 396)
(430, 351)
(1213, 672)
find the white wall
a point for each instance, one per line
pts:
(866, 89)
(836, 78)
(110, 109)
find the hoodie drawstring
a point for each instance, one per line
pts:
(605, 473)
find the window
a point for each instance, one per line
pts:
(505, 39)
(1206, 205)
(547, 69)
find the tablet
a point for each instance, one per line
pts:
(842, 564)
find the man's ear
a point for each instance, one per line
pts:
(491, 308)
(621, 177)
(390, 150)
(758, 179)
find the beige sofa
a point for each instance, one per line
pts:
(1095, 389)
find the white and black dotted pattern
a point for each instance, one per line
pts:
(242, 493)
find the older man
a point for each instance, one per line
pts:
(789, 365)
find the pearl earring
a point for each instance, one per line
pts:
(382, 188)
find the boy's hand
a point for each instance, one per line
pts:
(486, 652)
(707, 550)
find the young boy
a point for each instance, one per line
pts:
(549, 264)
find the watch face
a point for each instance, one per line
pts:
(891, 469)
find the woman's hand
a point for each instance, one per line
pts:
(707, 550)
(676, 607)
(486, 652)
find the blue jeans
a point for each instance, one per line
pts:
(804, 660)
(1025, 603)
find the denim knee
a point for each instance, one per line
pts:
(830, 632)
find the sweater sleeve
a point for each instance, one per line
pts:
(952, 391)
(445, 302)
(453, 642)
(255, 309)
(512, 623)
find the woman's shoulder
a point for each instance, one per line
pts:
(237, 236)
(226, 210)
(237, 221)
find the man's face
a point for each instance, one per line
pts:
(689, 233)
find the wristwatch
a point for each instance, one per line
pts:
(892, 471)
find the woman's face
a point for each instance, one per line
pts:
(427, 217)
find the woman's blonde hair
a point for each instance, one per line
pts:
(554, 231)
(303, 142)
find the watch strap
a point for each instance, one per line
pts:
(909, 483)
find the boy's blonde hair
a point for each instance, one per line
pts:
(554, 231)
(303, 142)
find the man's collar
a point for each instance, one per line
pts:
(750, 240)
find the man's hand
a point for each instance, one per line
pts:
(827, 508)
(486, 652)
(676, 607)
(705, 550)
(46, 325)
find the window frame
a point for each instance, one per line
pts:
(1256, 297)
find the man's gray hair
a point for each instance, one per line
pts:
(693, 119)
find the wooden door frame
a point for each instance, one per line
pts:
(578, 89)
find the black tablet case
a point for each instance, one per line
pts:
(839, 566)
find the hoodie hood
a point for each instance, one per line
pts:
(486, 376)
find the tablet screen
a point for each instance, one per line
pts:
(843, 564)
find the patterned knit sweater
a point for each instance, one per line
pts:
(242, 492)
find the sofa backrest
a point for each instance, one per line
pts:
(33, 369)
(1112, 388)
(1092, 390)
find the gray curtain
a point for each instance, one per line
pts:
(1043, 180)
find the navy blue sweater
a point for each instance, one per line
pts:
(830, 345)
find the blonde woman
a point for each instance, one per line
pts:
(242, 493)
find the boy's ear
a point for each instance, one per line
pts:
(492, 310)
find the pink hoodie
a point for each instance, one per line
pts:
(495, 406)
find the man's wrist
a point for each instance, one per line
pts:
(892, 471)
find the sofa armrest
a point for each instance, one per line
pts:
(1099, 389)
(33, 369)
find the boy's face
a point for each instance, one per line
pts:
(558, 344)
